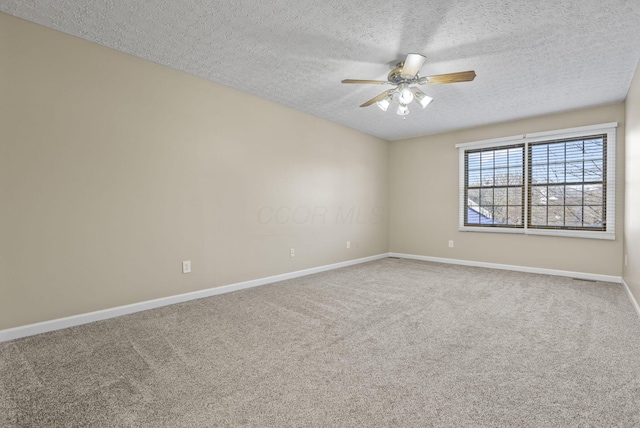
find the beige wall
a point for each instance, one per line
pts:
(113, 170)
(424, 202)
(632, 188)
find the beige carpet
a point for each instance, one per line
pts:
(388, 343)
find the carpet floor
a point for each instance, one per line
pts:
(393, 342)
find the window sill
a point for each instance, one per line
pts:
(543, 232)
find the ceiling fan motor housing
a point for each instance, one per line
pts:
(402, 77)
(396, 78)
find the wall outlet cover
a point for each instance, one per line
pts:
(186, 266)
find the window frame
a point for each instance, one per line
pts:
(507, 186)
(548, 136)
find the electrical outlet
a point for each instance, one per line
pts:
(626, 260)
(357, 244)
(186, 266)
(293, 252)
(348, 244)
(450, 244)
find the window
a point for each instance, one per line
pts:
(568, 184)
(551, 183)
(494, 186)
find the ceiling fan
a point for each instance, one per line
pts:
(402, 77)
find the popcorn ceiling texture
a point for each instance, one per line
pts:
(531, 58)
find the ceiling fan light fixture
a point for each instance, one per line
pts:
(405, 95)
(402, 77)
(421, 98)
(385, 102)
(403, 110)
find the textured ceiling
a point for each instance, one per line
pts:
(531, 57)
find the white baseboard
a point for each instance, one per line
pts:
(58, 324)
(75, 320)
(580, 275)
(634, 302)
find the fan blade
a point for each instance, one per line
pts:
(412, 65)
(375, 99)
(463, 76)
(365, 82)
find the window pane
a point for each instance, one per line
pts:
(575, 151)
(487, 160)
(473, 195)
(575, 172)
(486, 197)
(593, 194)
(555, 195)
(538, 216)
(593, 170)
(538, 195)
(555, 215)
(501, 158)
(500, 196)
(500, 214)
(487, 177)
(516, 156)
(473, 216)
(515, 196)
(538, 154)
(514, 215)
(539, 174)
(556, 152)
(474, 178)
(502, 177)
(573, 216)
(486, 215)
(556, 173)
(573, 195)
(473, 211)
(515, 176)
(473, 161)
(593, 149)
(593, 216)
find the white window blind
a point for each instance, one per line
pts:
(552, 183)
